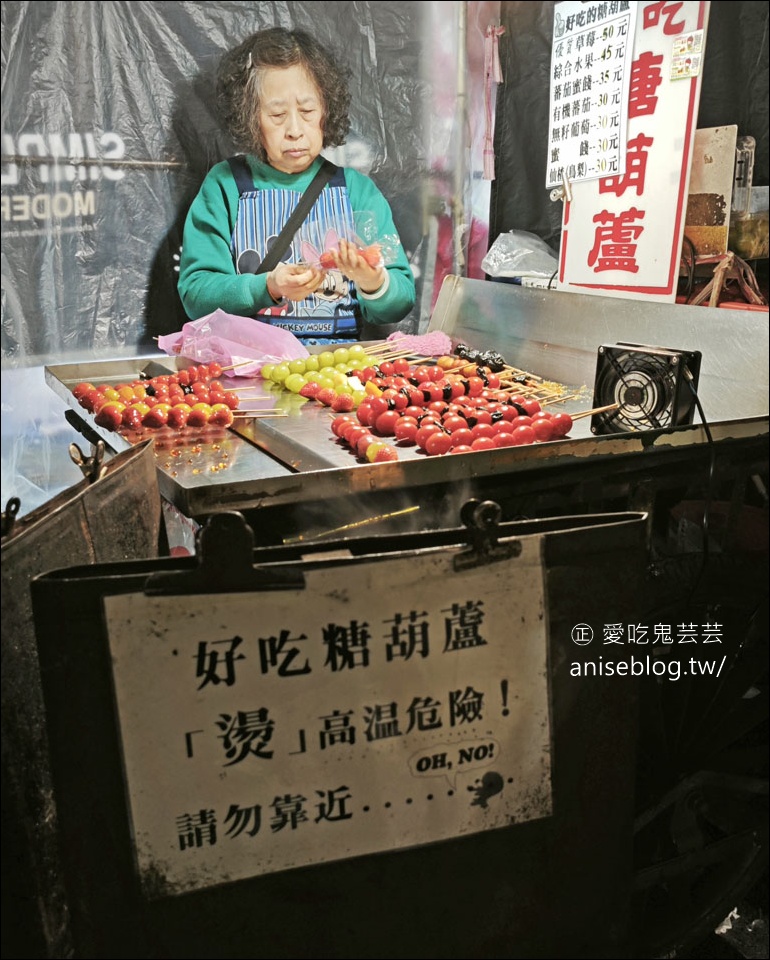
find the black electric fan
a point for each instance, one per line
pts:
(647, 388)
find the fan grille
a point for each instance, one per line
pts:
(648, 385)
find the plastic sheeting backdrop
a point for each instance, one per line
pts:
(90, 247)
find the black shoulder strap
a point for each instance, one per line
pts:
(242, 174)
(308, 198)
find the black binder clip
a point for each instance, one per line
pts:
(482, 519)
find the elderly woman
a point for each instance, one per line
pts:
(285, 98)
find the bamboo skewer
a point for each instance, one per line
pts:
(560, 399)
(520, 377)
(256, 415)
(396, 355)
(241, 363)
(520, 389)
(381, 345)
(545, 398)
(590, 413)
(350, 526)
(394, 341)
(260, 413)
(391, 352)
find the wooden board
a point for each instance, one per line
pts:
(711, 185)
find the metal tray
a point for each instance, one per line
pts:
(296, 458)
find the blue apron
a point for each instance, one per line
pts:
(329, 315)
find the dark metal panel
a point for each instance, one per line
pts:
(560, 886)
(115, 518)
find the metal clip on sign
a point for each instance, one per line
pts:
(10, 513)
(224, 549)
(482, 518)
(93, 468)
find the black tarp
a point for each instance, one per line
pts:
(89, 248)
(734, 91)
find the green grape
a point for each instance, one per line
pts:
(341, 355)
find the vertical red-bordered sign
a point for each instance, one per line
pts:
(622, 235)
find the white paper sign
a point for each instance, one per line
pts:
(590, 74)
(622, 235)
(389, 704)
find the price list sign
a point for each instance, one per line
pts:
(590, 76)
(622, 232)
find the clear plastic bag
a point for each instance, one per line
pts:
(319, 244)
(520, 254)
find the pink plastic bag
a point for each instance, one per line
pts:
(241, 345)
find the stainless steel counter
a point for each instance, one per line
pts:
(555, 335)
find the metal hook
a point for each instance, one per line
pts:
(564, 192)
(9, 515)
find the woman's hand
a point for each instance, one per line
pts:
(293, 281)
(352, 264)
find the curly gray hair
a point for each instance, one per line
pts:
(238, 84)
